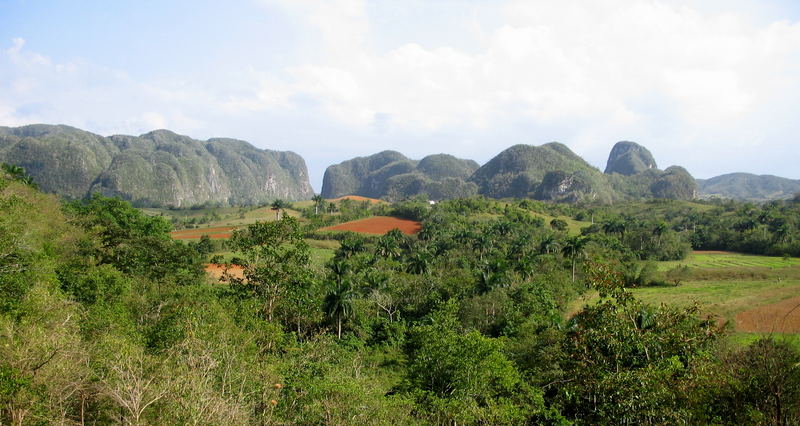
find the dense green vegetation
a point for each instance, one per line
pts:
(629, 158)
(390, 175)
(106, 319)
(156, 169)
(746, 186)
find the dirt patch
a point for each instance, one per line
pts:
(216, 233)
(216, 270)
(780, 317)
(378, 225)
(358, 198)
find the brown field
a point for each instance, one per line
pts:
(378, 225)
(216, 270)
(780, 317)
(219, 232)
(358, 198)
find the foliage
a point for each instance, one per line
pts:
(105, 319)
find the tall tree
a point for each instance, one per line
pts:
(319, 203)
(338, 303)
(275, 260)
(278, 206)
(574, 248)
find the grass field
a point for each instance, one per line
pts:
(718, 260)
(754, 295)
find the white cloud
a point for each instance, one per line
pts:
(663, 73)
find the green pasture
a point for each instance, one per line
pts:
(730, 260)
(745, 339)
(722, 285)
(721, 298)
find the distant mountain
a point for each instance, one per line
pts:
(390, 174)
(549, 172)
(159, 168)
(629, 158)
(746, 186)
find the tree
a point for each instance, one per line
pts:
(559, 225)
(627, 361)
(465, 377)
(319, 203)
(615, 226)
(338, 303)
(574, 248)
(275, 260)
(679, 274)
(278, 206)
(19, 174)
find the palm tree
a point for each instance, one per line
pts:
(318, 202)
(278, 205)
(338, 303)
(574, 248)
(550, 243)
(419, 262)
(615, 226)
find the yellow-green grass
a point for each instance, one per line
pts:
(744, 339)
(573, 226)
(321, 252)
(723, 285)
(723, 299)
(700, 260)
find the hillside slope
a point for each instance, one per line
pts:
(390, 174)
(746, 186)
(159, 168)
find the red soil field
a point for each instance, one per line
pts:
(378, 225)
(358, 198)
(216, 270)
(780, 317)
(219, 232)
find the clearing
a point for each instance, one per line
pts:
(378, 225)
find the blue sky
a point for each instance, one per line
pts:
(709, 85)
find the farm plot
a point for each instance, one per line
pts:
(720, 260)
(756, 295)
(378, 225)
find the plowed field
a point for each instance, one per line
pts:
(378, 225)
(219, 232)
(780, 317)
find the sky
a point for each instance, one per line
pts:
(710, 85)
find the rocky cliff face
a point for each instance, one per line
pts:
(159, 168)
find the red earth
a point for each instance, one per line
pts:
(780, 317)
(378, 225)
(216, 270)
